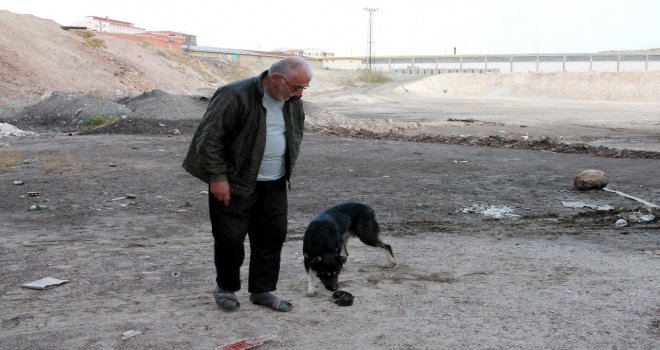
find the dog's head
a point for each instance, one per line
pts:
(327, 268)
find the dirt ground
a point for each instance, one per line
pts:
(543, 276)
(495, 248)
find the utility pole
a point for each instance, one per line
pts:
(370, 37)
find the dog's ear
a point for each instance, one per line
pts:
(316, 260)
(342, 259)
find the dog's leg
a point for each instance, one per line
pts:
(311, 283)
(344, 251)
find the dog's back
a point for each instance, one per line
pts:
(324, 242)
(350, 217)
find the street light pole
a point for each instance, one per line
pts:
(370, 37)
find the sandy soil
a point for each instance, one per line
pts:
(549, 277)
(619, 123)
(495, 250)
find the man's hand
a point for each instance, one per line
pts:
(220, 189)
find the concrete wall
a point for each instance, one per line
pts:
(547, 63)
(245, 57)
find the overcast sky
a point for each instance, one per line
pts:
(402, 27)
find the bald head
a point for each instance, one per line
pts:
(292, 65)
(287, 78)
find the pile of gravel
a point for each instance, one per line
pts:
(144, 126)
(6, 114)
(157, 104)
(66, 112)
(155, 112)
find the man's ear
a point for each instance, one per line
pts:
(342, 259)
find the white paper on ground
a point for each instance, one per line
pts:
(44, 283)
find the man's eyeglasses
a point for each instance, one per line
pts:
(294, 88)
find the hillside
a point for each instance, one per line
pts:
(37, 57)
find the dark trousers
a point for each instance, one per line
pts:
(263, 217)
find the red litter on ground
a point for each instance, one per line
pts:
(248, 343)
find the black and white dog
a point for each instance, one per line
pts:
(324, 244)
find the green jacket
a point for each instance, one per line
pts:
(231, 138)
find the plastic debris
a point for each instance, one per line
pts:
(636, 216)
(34, 207)
(647, 217)
(130, 334)
(44, 283)
(621, 223)
(248, 343)
(18, 182)
(648, 204)
(490, 210)
(584, 205)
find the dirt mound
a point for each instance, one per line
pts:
(143, 126)
(155, 113)
(546, 143)
(65, 112)
(161, 105)
(6, 114)
(37, 57)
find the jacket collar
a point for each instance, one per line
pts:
(259, 81)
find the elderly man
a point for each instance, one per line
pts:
(245, 148)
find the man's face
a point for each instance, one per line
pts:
(292, 86)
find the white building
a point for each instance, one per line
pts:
(316, 53)
(108, 25)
